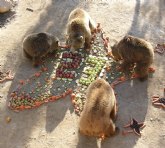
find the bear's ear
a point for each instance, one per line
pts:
(127, 38)
(57, 42)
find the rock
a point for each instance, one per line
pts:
(5, 6)
(8, 119)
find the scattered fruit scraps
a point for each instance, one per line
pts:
(4, 76)
(160, 48)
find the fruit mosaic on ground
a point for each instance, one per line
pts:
(67, 73)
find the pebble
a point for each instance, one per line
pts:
(8, 119)
(5, 6)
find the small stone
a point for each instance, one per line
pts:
(8, 119)
(5, 6)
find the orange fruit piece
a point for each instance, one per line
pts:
(73, 96)
(53, 97)
(44, 69)
(150, 69)
(70, 90)
(37, 74)
(28, 107)
(108, 68)
(37, 103)
(122, 78)
(21, 82)
(22, 107)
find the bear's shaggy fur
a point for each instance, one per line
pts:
(135, 52)
(38, 45)
(79, 29)
(99, 113)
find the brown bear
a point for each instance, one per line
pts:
(134, 53)
(99, 113)
(79, 29)
(38, 45)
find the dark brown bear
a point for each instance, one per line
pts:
(79, 28)
(135, 52)
(99, 113)
(38, 45)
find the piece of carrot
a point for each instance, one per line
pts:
(54, 98)
(150, 69)
(59, 96)
(37, 103)
(22, 107)
(135, 75)
(122, 78)
(21, 82)
(44, 69)
(70, 90)
(28, 107)
(73, 96)
(37, 74)
(108, 68)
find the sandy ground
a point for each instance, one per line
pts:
(55, 125)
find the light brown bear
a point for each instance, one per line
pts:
(38, 45)
(99, 113)
(79, 29)
(135, 52)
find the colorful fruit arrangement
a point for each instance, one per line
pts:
(65, 74)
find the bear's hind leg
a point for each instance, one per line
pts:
(113, 114)
(112, 129)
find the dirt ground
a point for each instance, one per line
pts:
(55, 125)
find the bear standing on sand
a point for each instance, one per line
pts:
(38, 45)
(135, 52)
(99, 113)
(79, 29)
